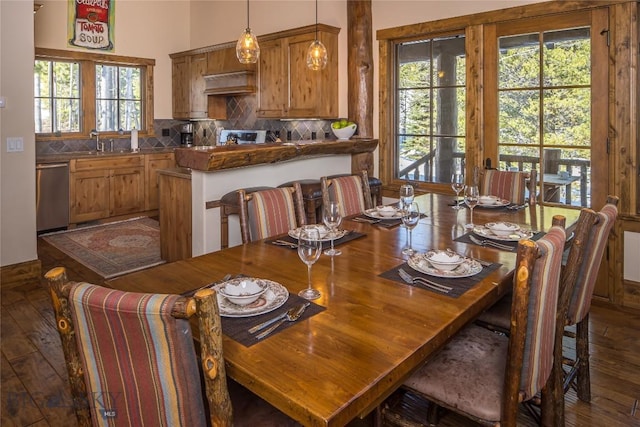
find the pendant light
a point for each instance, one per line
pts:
(247, 49)
(317, 53)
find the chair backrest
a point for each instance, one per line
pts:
(510, 185)
(270, 212)
(131, 357)
(533, 316)
(580, 301)
(351, 191)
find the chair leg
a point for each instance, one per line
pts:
(582, 353)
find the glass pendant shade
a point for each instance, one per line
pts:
(247, 49)
(317, 56)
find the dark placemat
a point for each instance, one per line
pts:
(293, 242)
(460, 285)
(513, 245)
(386, 223)
(237, 327)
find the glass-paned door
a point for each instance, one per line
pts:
(550, 114)
(430, 102)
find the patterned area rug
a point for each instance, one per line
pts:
(112, 249)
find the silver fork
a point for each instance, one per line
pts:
(491, 243)
(422, 281)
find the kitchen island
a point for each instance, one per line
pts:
(218, 170)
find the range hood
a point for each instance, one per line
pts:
(232, 83)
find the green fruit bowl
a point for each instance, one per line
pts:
(345, 132)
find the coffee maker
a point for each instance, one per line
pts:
(186, 135)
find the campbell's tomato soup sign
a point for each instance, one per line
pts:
(91, 23)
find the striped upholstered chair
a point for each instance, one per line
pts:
(509, 185)
(580, 301)
(351, 191)
(131, 359)
(577, 283)
(267, 213)
(483, 375)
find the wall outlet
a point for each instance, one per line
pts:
(15, 144)
(165, 132)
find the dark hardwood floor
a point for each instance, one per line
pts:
(34, 389)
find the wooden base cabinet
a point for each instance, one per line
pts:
(102, 188)
(153, 163)
(175, 214)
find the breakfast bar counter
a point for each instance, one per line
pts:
(214, 158)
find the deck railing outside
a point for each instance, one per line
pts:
(570, 194)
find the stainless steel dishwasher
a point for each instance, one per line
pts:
(52, 196)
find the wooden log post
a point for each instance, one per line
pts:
(59, 291)
(360, 76)
(215, 376)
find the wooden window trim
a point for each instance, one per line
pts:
(88, 62)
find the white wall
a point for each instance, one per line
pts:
(17, 178)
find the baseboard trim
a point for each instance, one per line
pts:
(20, 274)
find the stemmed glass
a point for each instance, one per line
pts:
(406, 198)
(457, 184)
(332, 219)
(406, 195)
(471, 195)
(410, 218)
(309, 249)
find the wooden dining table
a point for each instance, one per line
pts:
(342, 362)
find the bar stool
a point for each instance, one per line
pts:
(312, 198)
(229, 206)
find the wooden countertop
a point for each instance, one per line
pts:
(210, 158)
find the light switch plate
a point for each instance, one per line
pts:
(15, 144)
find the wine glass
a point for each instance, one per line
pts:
(331, 218)
(406, 198)
(457, 184)
(309, 249)
(471, 195)
(406, 194)
(410, 218)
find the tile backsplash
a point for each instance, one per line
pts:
(241, 115)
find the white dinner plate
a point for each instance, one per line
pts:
(483, 231)
(274, 297)
(373, 213)
(499, 204)
(325, 234)
(469, 267)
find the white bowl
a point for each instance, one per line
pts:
(386, 211)
(243, 291)
(345, 132)
(502, 229)
(444, 260)
(488, 200)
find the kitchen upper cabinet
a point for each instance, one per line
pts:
(286, 87)
(188, 85)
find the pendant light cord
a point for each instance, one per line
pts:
(247, 13)
(316, 19)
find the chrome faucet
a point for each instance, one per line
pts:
(99, 146)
